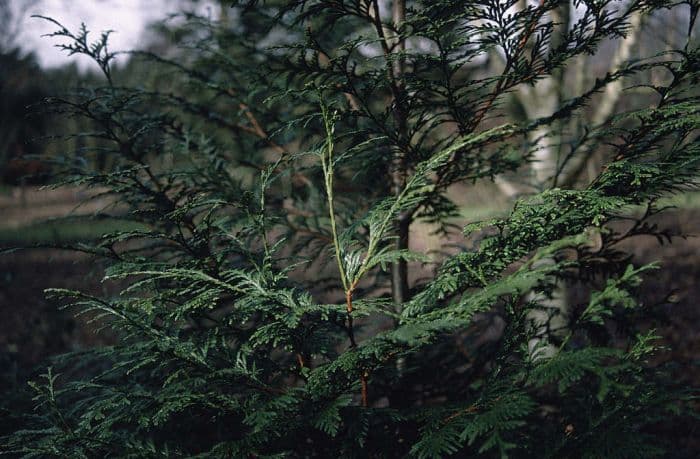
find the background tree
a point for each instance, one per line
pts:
(356, 120)
(17, 91)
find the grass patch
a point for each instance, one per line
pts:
(687, 200)
(475, 214)
(81, 230)
(63, 231)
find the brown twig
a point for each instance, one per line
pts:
(259, 131)
(364, 374)
(349, 308)
(500, 86)
(363, 381)
(255, 128)
(469, 409)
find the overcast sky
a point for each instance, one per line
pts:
(128, 19)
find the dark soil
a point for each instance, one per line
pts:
(675, 286)
(33, 327)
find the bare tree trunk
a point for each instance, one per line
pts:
(608, 100)
(399, 269)
(537, 102)
(541, 101)
(545, 98)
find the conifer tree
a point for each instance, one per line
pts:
(276, 168)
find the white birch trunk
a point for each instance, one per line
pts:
(543, 100)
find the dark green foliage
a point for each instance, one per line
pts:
(274, 186)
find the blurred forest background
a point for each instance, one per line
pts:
(32, 329)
